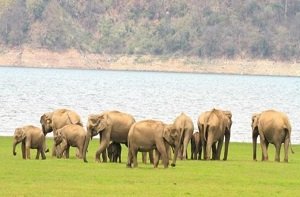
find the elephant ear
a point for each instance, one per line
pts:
(58, 137)
(170, 134)
(255, 119)
(20, 133)
(102, 123)
(45, 119)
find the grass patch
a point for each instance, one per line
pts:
(235, 177)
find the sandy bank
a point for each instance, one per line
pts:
(28, 57)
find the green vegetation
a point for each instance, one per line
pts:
(235, 177)
(209, 29)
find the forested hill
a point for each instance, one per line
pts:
(260, 29)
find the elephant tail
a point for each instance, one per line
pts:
(291, 147)
(288, 132)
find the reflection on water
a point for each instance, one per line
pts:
(27, 93)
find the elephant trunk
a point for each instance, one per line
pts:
(177, 148)
(14, 147)
(86, 144)
(254, 141)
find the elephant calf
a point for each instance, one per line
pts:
(70, 135)
(32, 138)
(196, 146)
(114, 152)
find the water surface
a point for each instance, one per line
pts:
(27, 93)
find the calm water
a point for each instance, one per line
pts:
(26, 93)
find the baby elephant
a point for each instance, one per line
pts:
(32, 138)
(114, 152)
(70, 135)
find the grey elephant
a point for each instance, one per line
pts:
(114, 151)
(70, 135)
(57, 119)
(214, 126)
(196, 146)
(184, 124)
(272, 127)
(150, 135)
(111, 126)
(32, 138)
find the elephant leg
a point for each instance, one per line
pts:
(54, 150)
(37, 153)
(135, 163)
(67, 152)
(277, 154)
(199, 150)
(162, 150)
(227, 139)
(42, 151)
(264, 147)
(286, 148)
(80, 151)
(27, 152)
(151, 156)
(156, 158)
(129, 158)
(219, 149)
(186, 141)
(214, 151)
(120, 158)
(102, 148)
(23, 148)
(144, 157)
(204, 150)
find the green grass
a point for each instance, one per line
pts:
(239, 176)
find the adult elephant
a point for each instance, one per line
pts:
(70, 135)
(32, 138)
(150, 135)
(185, 126)
(57, 119)
(111, 126)
(216, 126)
(272, 127)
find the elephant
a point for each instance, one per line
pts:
(196, 146)
(114, 151)
(272, 127)
(57, 119)
(31, 137)
(150, 135)
(184, 124)
(70, 135)
(111, 126)
(213, 126)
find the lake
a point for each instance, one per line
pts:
(27, 93)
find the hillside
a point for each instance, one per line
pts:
(243, 29)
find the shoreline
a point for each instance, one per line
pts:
(72, 59)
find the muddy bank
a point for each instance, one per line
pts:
(42, 58)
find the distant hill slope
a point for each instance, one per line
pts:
(257, 29)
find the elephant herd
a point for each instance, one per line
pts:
(115, 128)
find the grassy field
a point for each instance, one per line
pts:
(235, 177)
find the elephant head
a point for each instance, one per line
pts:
(228, 121)
(255, 132)
(19, 136)
(46, 122)
(96, 124)
(58, 138)
(173, 137)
